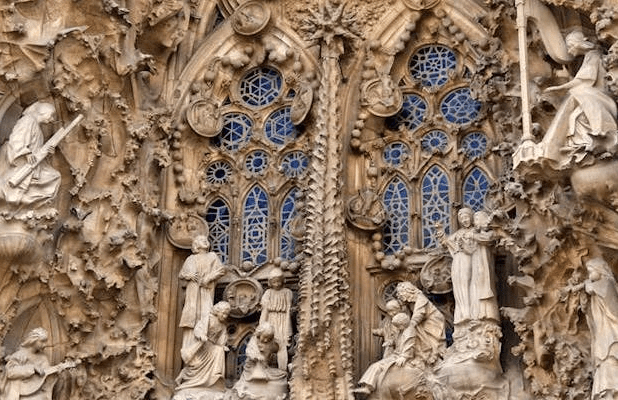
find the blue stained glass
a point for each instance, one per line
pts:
(218, 220)
(411, 115)
(236, 132)
(241, 356)
(436, 204)
(459, 107)
(434, 141)
(279, 128)
(255, 227)
(260, 86)
(218, 172)
(288, 212)
(256, 162)
(475, 189)
(431, 65)
(395, 153)
(396, 231)
(474, 144)
(294, 164)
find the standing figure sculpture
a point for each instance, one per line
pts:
(25, 140)
(586, 120)
(201, 270)
(602, 319)
(205, 368)
(471, 270)
(276, 305)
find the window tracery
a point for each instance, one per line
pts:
(434, 155)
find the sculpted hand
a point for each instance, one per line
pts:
(400, 361)
(39, 370)
(31, 159)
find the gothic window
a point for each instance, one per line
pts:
(255, 227)
(218, 219)
(248, 164)
(396, 229)
(288, 212)
(475, 189)
(436, 205)
(434, 152)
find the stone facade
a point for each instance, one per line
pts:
(316, 199)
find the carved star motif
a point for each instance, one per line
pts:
(330, 22)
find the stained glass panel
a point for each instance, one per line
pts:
(260, 86)
(411, 115)
(459, 107)
(236, 132)
(256, 162)
(279, 128)
(434, 141)
(436, 204)
(395, 153)
(255, 227)
(431, 65)
(475, 189)
(218, 172)
(396, 231)
(294, 164)
(288, 212)
(474, 144)
(218, 220)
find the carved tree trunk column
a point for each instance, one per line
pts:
(323, 365)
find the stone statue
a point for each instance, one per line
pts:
(25, 140)
(403, 353)
(205, 368)
(201, 271)
(260, 379)
(603, 322)
(426, 322)
(387, 330)
(472, 269)
(28, 372)
(586, 121)
(276, 305)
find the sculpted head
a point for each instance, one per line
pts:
(200, 243)
(598, 268)
(35, 338)
(407, 292)
(577, 43)
(42, 112)
(222, 310)
(465, 217)
(401, 321)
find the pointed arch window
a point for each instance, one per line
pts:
(288, 212)
(475, 189)
(397, 204)
(255, 227)
(218, 220)
(436, 206)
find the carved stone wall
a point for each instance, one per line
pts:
(329, 144)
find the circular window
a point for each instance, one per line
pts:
(236, 132)
(411, 115)
(434, 141)
(260, 87)
(431, 65)
(256, 162)
(395, 153)
(459, 107)
(218, 172)
(474, 144)
(294, 164)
